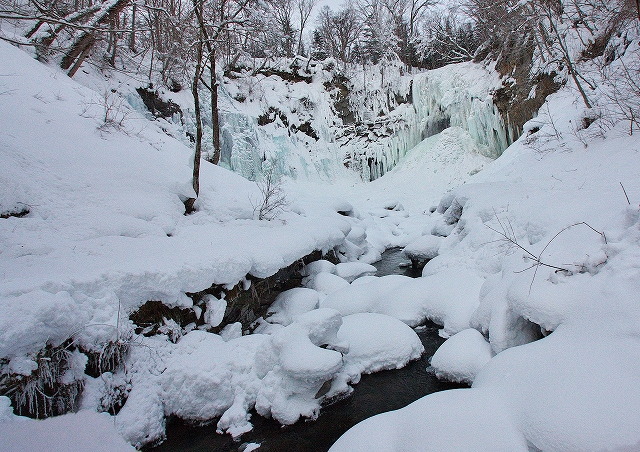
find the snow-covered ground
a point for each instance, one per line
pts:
(534, 276)
(550, 231)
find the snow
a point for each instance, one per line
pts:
(461, 419)
(353, 270)
(106, 230)
(293, 367)
(461, 357)
(292, 303)
(558, 372)
(326, 283)
(533, 265)
(423, 249)
(377, 342)
(82, 431)
(319, 266)
(448, 298)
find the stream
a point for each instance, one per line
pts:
(376, 393)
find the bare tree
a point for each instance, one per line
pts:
(211, 25)
(82, 45)
(305, 7)
(282, 12)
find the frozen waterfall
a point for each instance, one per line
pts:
(300, 130)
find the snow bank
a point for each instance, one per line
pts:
(83, 431)
(462, 419)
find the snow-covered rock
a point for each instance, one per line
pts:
(293, 367)
(377, 342)
(292, 303)
(461, 357)
(353, 270)
(423, 249)
(326, 283)
(448, 298)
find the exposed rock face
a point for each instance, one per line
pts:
(245, 302)
(158, 107)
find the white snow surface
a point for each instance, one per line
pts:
(448, 298)
(566, 338)
(376, 342)
(424, 248)
(106, 232)
(85, 431)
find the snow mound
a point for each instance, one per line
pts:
(326, 283)
(423, 249)
(369, 296)
(462, 356)
(292, 303)
(205, 375)
(448, 298)
(293, 366)
(353, 270)
(319, 266)
(456, 420)
(377, 342)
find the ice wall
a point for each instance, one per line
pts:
(457, 95)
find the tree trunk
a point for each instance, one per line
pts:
(42, 44)
(132, 36)
(78, 52)
(82, 45)
(198, 152)
(215, 116)
(78, 63)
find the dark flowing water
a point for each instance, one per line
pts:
(377, 393)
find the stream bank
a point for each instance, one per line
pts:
(375, 393)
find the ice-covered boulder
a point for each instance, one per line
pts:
(462, 356)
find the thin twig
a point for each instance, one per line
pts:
(625, 193)
(508, 235)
